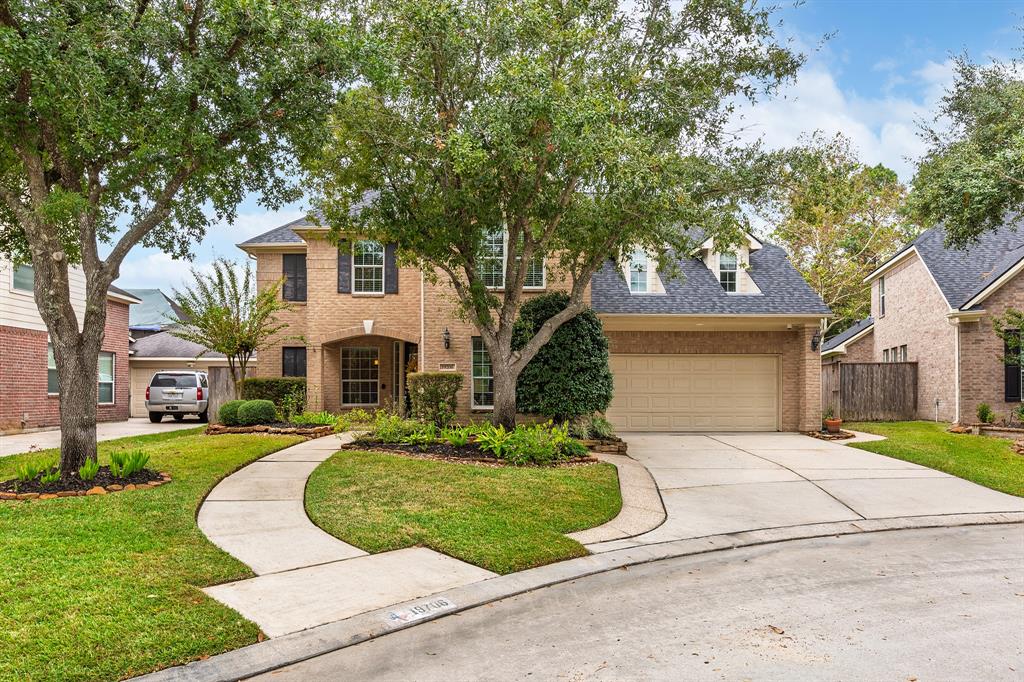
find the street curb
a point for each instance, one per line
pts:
(300, 646)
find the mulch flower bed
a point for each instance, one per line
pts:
(469, 453)
(104, 483)
(842, 435)
(279, 428)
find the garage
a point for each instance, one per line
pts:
(662, 392)
(164, 351)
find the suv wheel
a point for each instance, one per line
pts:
(156, 417)
(178, 417)
(204, 416)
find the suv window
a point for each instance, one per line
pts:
(203, 381)
(174, 381)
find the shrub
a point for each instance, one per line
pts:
(315, 419)
(293, 403)
(117, 462)
(228, 415)
(531, 445)
(51, 476)
(1018, 414)
(985, 414)
(279, 390)
(27, 471)
(257, 412)
(135, 461)
(434, 396)
(493, 439)
(421, 437)
(601, 427)
(392, 428)
(88, 471)
(569, 376)
(457, 436)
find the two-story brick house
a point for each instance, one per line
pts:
(934, 306)
(28, 374)
(731, 345)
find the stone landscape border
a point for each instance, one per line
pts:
(95, 490)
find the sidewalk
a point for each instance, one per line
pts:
(306, 577)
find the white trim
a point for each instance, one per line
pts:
(49, 350)
(186, 358)
(841, 348)
(994, 286)
(956, 375)
(382, 266)
(504, 266)
(891, 263)
(22, 292)
(130, 300)
(472, 366)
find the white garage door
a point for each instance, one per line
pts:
(695, 393)
(140, 380)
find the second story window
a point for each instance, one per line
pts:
(367, 267)
(492, 264)
(638, 272)
(728, 270)
(24, 278)
(294, 277)
(881, 296)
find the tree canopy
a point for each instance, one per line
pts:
(578, 129)
(972, 178)
(839, 219)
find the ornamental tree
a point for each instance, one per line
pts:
(838, 219)
(226, 313)
(130, 122)
(486, 137)
(972, 178)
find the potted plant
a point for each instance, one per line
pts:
(832, 424)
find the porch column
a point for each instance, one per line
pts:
(810, 381)
(314, 379)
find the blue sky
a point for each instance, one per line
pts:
(884, 68)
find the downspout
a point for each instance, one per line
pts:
(421, 363)
(956, 383)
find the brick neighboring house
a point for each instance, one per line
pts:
(27, 373)
(732, 346)
(934, 306)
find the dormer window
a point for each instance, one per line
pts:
(638, 272)
(728, 268)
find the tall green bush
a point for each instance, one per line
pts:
(257, 412)
(569, 376)
(228, 415)
(279, 390)
(434, 396)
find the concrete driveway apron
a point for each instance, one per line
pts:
(726, 483)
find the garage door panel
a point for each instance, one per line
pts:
(695, 392)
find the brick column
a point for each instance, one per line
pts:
(810, 379)
(314, 378)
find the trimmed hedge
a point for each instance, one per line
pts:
(228, 415)
(254, 412)
(274, 389)
(569, 377)
(434, 396)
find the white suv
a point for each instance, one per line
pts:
(178, 392)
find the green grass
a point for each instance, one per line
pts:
(107, 587)
(503, 519)
(982, 459)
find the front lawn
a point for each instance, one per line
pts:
(503, 519)
(982, 459)
(106, 587)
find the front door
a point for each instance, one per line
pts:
(360, 377)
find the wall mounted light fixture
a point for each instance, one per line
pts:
(447, 337)
(816, 340)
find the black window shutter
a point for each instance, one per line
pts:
(1013, 392)
(293, 361)
(345, 268)
(390, 270)
(288, 290)
(294, 268)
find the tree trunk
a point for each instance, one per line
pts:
(76, 369)
(504, 396)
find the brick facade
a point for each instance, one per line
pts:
(982, 372)
(329, 321)
(915, 316)
(23, 354)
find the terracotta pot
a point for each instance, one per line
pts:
(833, 425)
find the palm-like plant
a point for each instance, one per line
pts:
(227, 313)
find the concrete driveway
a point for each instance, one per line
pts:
(137, 426)
(726, 483)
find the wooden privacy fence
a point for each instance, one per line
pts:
(222, 389)
(870, 391)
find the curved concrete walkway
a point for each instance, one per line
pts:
(306, 577)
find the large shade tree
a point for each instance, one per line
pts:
(972, 177)
(839, 219)
(489, 135)
(127, 122)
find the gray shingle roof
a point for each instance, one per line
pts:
(166, 345)
(963, 273)
(840, 339)
(698, 292)
(280, 235)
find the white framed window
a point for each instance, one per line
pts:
(881, 296)
(483, 376)
(367, 267)
(360, 376)
(492, 259)
(105, 379)
(23, 278)
(728, 271)
(52, 381)
(885, 355)
(638, 266)
(903, 353)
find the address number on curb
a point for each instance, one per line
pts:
(418, 611)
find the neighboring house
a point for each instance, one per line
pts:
(156, 313)
(934, 306)
(28, 375)
(733, 346)
(164, 351)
